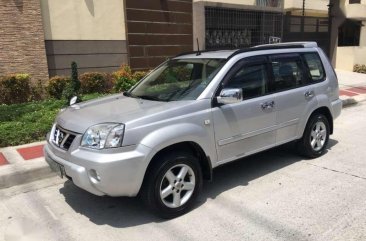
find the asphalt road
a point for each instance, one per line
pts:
(276, 195)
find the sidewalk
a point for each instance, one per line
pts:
(25, 163)
(352, 87)
(22, 164)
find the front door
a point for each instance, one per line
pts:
(249, 126)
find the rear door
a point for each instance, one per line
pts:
(249, 126)
(295, 96)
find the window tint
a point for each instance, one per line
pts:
(287, 71)
(252, 79)
(315, 67)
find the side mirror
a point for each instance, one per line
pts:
(230, 96)
(73, 100)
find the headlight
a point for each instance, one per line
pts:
(101, 136)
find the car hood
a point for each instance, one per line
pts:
(115, 108)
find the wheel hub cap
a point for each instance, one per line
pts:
(318, 136)
(177, 186)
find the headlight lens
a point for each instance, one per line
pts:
(108, 135)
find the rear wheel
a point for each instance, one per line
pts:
(172, 185)
(315, 138)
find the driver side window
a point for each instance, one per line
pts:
(251, 78)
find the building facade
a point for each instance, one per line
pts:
(43, 37)
(349, 34)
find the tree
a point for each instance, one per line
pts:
(72, 88)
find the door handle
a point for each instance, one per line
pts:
(267, 105)
(309, 94)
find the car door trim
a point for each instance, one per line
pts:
(240, 137)
(245, 136)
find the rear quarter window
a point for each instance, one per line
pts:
(315, 67)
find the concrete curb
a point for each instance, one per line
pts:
(23, 164)
(21, 173)
(350, 101)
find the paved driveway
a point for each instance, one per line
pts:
(275, 195)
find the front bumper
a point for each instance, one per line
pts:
(120, 170)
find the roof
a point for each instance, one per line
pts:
(226, 54)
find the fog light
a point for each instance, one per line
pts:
(94, 175)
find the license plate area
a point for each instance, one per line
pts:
(57, 167)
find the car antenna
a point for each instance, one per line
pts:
(198, 48)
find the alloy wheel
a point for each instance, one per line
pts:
(177, 186)
(318, 136)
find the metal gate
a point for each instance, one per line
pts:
(228, 28)
(303, 28)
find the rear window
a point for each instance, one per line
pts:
(315, 67)
(287, 71)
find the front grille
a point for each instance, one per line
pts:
(62, 138)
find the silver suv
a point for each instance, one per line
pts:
(191, 114)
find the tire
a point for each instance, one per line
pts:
(315, 138)
(180, 191)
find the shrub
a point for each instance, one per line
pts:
(56, 86)
(68, 92)
(37, 91)
(138, 75)
(125, 79)
(359, 68)
(15, 88)
(95, 82)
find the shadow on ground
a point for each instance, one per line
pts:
(127, 212)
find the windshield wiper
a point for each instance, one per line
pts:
(147, 97)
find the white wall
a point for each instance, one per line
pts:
(347, 57)
(83, 19)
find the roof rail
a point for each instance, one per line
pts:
(286, 45)
(304, 44)
(289, 45)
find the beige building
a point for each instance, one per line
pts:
(90, 32)
(351, 48)
(42, 37)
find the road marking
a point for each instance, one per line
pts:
(51, 213)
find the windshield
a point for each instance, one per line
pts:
(179, 79)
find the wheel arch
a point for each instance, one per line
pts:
(189, 146)
(326, 112)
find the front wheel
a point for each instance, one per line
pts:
(173, 184)
(315, 138)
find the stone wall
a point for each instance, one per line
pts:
(22, 45)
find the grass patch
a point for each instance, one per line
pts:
(30, 122)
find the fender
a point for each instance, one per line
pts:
(172, 134)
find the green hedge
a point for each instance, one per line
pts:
(125, 78)
(30, 122)
(15, 89)
(18, 88)
(96, 82)
(56, 86)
